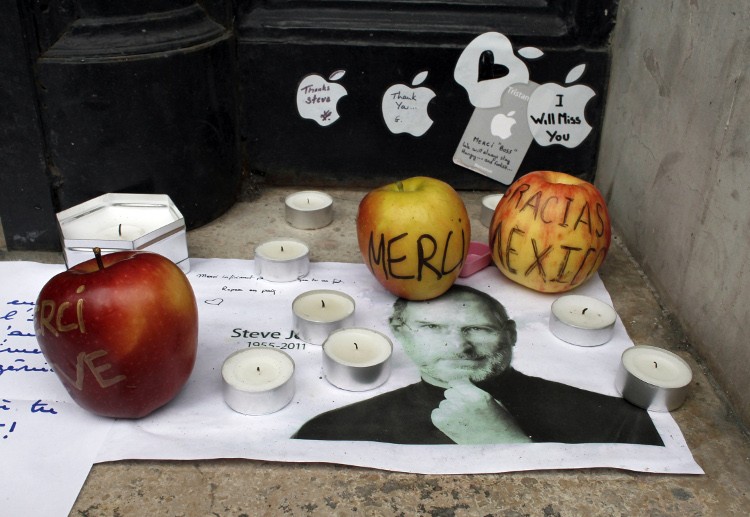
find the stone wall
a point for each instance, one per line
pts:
(674, 166)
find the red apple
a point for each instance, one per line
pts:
(120, 331)
(414, 236)
(550, 232)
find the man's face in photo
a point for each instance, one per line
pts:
(455, 339)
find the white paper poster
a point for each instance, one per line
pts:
(239, 310)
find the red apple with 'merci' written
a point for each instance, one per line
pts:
(120, 331)
(550, 231)
(414, 236)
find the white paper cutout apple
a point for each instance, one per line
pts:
(487, 93)
(557, 113)
(317, 98)
(405, 107)
(502, 125)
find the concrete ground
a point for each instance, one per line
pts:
(231, 487)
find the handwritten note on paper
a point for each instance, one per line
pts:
(47, 442)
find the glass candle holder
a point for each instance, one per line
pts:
(123, 222)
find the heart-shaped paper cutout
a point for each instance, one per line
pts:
(487, 69)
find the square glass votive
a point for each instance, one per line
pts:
(124, 222)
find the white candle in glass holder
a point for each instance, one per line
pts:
(357, 359)
(319, 312)
(582, 320)
(282, 260)
(258, 381)
(308, 209)
(123, 221)
(653, 378)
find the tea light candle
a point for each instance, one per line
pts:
(357, 359)
(282, 260)
(653, 378)
(489, 203)
(582, 320)
(309, 209)
(318, 313)
(120, 221)
(258, 381)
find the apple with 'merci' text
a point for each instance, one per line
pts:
(414, 236)
(120, 331)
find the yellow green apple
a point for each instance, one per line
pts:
(414, 235)
(550, 231)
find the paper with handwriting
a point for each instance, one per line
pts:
(50, 444)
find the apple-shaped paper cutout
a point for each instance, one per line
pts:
(557, 113)
(487, 93)
(405, 107)
(317, 98)
(502, 125)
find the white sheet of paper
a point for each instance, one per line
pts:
(48, 442)
(237, 310)
(234, 303)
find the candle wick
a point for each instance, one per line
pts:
(119, 229)
(308, 200)
(655, 365)
(584, 310)
(258, 369)
(282, 249)
(323, 303)
(355, 346)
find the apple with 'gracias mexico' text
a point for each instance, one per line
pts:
(550, 231)
(120, 331)
(414, 236)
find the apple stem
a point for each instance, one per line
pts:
(400, 186)
(98, 255)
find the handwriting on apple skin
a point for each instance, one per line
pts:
(427, 249)
(56, 319)
(575, 258)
